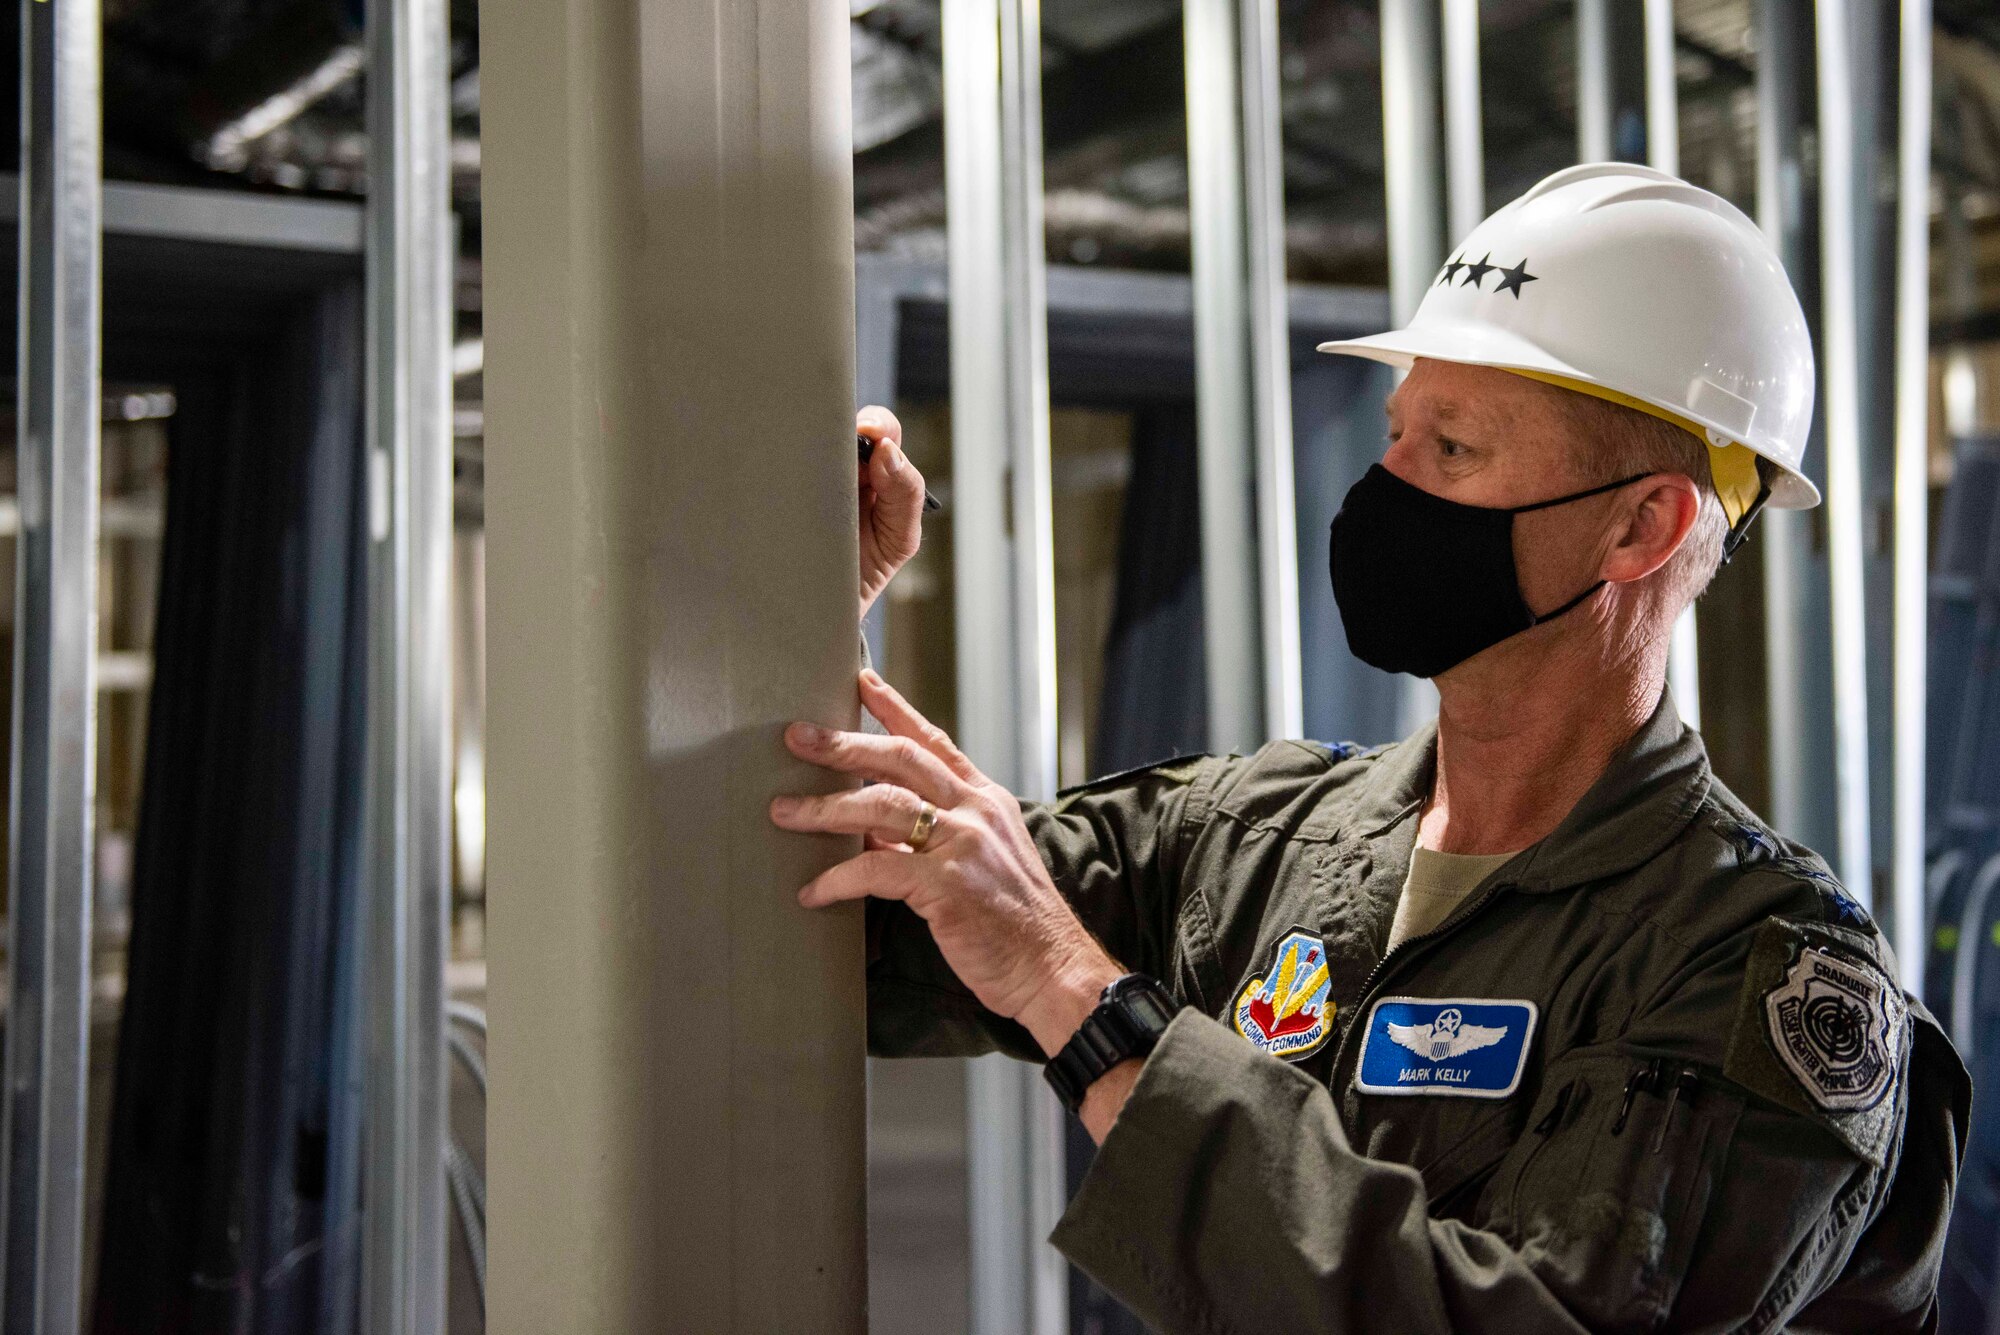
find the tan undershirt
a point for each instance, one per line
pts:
(1436, 885)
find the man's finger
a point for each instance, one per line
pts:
(901, 718)
(883, 810)
(883, 875)
(878, 424)
(899, 760)
(898, 512)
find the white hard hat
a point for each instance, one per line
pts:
(1632, 285)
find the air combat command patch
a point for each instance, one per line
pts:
(1469, 1048)
(1836, 1025)
(1286, 1011)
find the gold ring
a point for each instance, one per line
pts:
(920, 833)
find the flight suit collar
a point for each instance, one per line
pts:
(1646, 796)
(1641, 803)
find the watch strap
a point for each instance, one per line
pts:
(1131, 1015)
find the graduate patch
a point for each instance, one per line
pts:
(1821, 1030)
(1835, 1024)
(1468, 1048)
(1286, 1011)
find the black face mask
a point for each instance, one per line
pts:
(1424, 583)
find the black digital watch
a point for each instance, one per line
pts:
(1132, 1012)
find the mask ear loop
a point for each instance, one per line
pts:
(1577, 601)
(1577, 495)
(1569, 606)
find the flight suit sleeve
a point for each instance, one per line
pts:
(1228, 1198)
(1891, 1282)
(1113, 849)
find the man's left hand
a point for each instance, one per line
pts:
(891, 494)
(978, 880)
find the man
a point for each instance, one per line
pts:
(1524, 1023)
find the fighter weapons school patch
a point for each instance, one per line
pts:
(1470, 1047)
(1822, 1030)
(1286, 1010)
(1834, 1023)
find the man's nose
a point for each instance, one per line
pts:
(1404, 459)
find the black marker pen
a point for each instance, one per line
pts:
(866, 446)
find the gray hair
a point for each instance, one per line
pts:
(1615, 442)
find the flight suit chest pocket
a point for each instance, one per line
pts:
(1605, 1195)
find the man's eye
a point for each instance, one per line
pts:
(1450, 448)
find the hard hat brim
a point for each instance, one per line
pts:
(1503, 350)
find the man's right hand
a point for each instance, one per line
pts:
(892, 503)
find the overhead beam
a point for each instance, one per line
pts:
(1102, 93)
(677, 1115)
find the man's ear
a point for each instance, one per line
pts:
(1653, 529)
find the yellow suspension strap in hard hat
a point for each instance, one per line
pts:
(1739, 484)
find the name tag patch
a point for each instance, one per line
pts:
(1471, 1048)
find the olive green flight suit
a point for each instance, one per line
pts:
(1660, 1165)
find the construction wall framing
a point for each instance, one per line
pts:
(55, 672)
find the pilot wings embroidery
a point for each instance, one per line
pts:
(1446, 1036)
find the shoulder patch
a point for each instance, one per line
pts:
(1821, 1030)
(1286, 1010)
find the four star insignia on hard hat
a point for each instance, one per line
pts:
(1511, 280)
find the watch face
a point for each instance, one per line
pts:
(1155, 1010)
(1143, 999)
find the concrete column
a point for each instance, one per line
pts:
(677, 1114)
